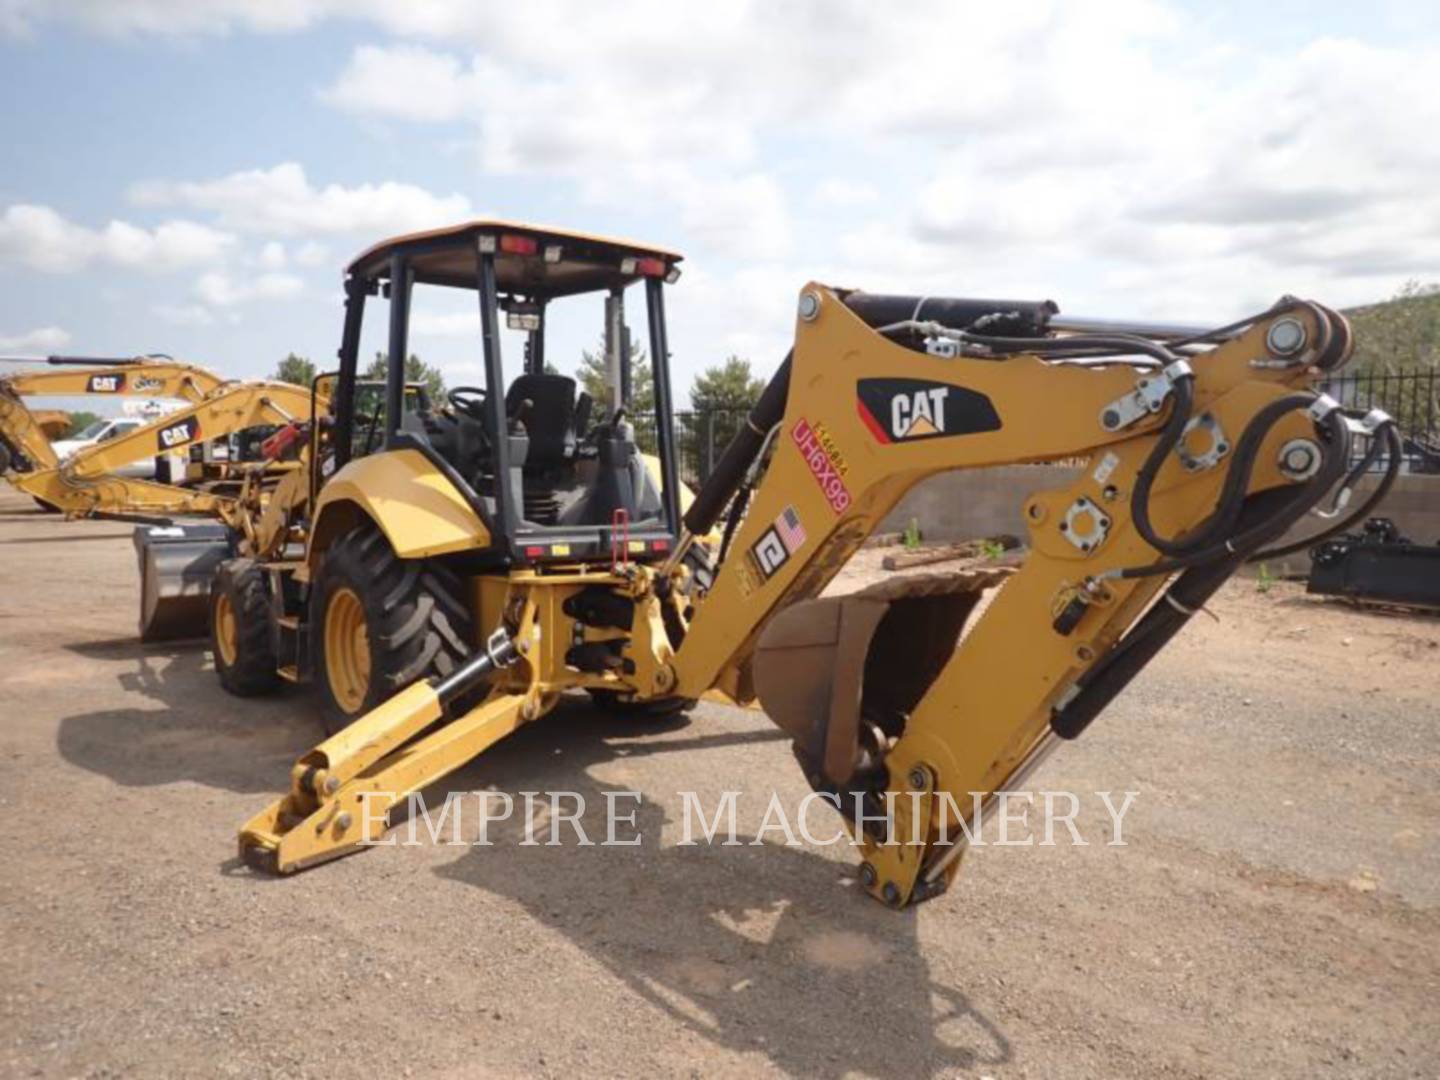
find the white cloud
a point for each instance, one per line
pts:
(281, 201)
(166, 17)
(42, 339)
(404, 82)
(273, 256)
(449, 324)
(1124, 156)
(312, 254)
(221, 290)
(43, 239)
(745, 217)
(184, 314)
(838, 192)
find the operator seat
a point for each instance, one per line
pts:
(549, 420)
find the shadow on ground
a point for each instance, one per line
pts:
(187, 727)
(758, 948)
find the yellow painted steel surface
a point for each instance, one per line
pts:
(87, 482)
(419, 511)
(151, 378)
(347, 649)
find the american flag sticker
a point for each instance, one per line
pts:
(790, 530)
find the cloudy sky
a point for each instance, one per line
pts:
(189, 176)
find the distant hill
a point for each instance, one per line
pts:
(1400, 334)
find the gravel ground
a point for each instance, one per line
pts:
(1274, 912)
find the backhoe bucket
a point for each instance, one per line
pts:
(177, 564)
(841, 674)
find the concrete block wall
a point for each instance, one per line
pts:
(967, 504)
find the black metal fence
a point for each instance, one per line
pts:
(700, 436)
(1411, 397)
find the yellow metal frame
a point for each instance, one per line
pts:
(342, 790)
(991, 704)
(86, 483)
(418, 509)
(24, 430)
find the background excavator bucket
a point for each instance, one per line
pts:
(177, 564)
(827, 669)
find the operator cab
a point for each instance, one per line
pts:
(555, 474)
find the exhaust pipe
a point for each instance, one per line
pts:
(177, 565)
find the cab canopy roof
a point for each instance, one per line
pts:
(530, 260)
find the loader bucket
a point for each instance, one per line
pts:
(841, 674)
(177, 564)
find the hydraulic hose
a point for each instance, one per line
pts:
(729, 471)
(1394, 458)
(1237, 478)
(1260, 516)
(1242, 543)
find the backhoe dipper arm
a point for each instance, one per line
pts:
(1191, 461)
(86, 482)
(30, 449)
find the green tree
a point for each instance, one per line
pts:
(730, 386)
(721, 396)
(295, 369)
(592, 375)
(416, 371)
(79, 421)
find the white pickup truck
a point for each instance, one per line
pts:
(104, 430)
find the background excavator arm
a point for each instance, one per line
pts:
(26, 446)
(87, 482)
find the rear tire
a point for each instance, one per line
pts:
(240, 636)
(379, 623)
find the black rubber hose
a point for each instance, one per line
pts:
(1186, 595)
(738, 506)
(1361, 512)
(1243, 543)
(729, 471)
(1288, 303)
(1232, 493)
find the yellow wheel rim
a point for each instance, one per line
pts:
(225, 632)
(347, 650)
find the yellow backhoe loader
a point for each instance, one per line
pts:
(471, 568)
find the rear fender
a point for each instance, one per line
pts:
(420, 511)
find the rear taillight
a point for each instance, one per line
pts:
(519, 245)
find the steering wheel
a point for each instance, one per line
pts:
(469, 400)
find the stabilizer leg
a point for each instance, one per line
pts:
(324, 816)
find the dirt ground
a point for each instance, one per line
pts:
(1275, 912)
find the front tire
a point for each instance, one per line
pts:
(379, 623)
(240, 636)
